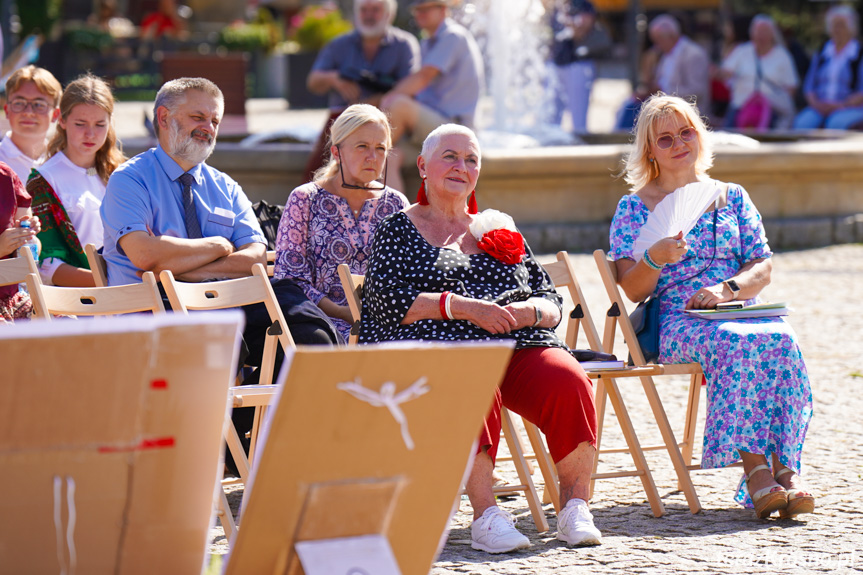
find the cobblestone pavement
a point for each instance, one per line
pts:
(825, 289)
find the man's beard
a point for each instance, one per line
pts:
(187, 148)
(375, 31)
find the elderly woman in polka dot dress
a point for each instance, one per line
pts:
(440, 271)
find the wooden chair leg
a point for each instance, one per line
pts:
(520, 463)
(551, 493)
(235, 447)
(635, 451)
(683, 477)
(688, 446)
(257, 422)
(225, 516)
(600, 398)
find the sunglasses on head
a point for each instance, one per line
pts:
(665, 141)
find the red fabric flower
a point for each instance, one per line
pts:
(504, 245)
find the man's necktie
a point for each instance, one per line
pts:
(193, 227)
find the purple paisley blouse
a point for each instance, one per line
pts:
(318, 231)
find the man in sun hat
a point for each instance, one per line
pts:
(445, 89)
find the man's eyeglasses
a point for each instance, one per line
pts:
(38, 106)
(665, 141)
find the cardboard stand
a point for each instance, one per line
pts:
(110, 442)
(364, 455)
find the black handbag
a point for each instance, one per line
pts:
(645, 322)
(645, 317)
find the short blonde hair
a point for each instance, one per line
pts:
(351, 120)
(44, 80)
(639, 170)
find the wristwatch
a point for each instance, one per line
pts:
(732, 285)
(538, 316)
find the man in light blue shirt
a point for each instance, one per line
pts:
(206, 232)
(143, 212)
(361, 66)
(165, 209)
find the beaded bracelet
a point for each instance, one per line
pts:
(650, 263)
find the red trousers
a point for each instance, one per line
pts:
(549, 388)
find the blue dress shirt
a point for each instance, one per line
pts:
(144, 195)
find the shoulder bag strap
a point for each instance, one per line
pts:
(709, 263)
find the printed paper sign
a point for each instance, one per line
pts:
(365, 555)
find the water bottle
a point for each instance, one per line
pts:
(29, 245)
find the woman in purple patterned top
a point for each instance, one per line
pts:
(332, 220)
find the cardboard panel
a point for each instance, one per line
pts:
(321, 433)
(110, 438)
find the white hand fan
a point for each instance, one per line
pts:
(678, 212)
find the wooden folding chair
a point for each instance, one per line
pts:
(230, 294)
(579, 321)
(679, 453)
(97, 265)
(353, 284)
(14, 271)
(96, 301)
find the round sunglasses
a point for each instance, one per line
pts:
(665, 141)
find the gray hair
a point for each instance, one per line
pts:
(846, 13)
(666, 24)
(765, 19)
(432, 141)
(173, 93)
(392, 7)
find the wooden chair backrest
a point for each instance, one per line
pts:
(563, 276)
(97, 301)
(271, 262)
(185, 297)
(97, 265)
(16, 269)
(617, 312)
(353, 286)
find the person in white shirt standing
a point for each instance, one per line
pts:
(32, 106)
(762, 65)
(68, 189)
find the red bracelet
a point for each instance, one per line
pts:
(443, 305)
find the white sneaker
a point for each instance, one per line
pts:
(494, 532)
(575, 524)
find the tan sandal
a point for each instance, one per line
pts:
(799, 501)
(767, 500)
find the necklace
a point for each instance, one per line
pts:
(91, 171)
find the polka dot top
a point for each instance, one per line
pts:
(404, 265)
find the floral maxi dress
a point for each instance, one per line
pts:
(758, 395)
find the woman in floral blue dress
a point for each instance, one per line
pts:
(759, 397)
(332, 220)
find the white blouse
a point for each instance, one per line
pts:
(81, 195)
